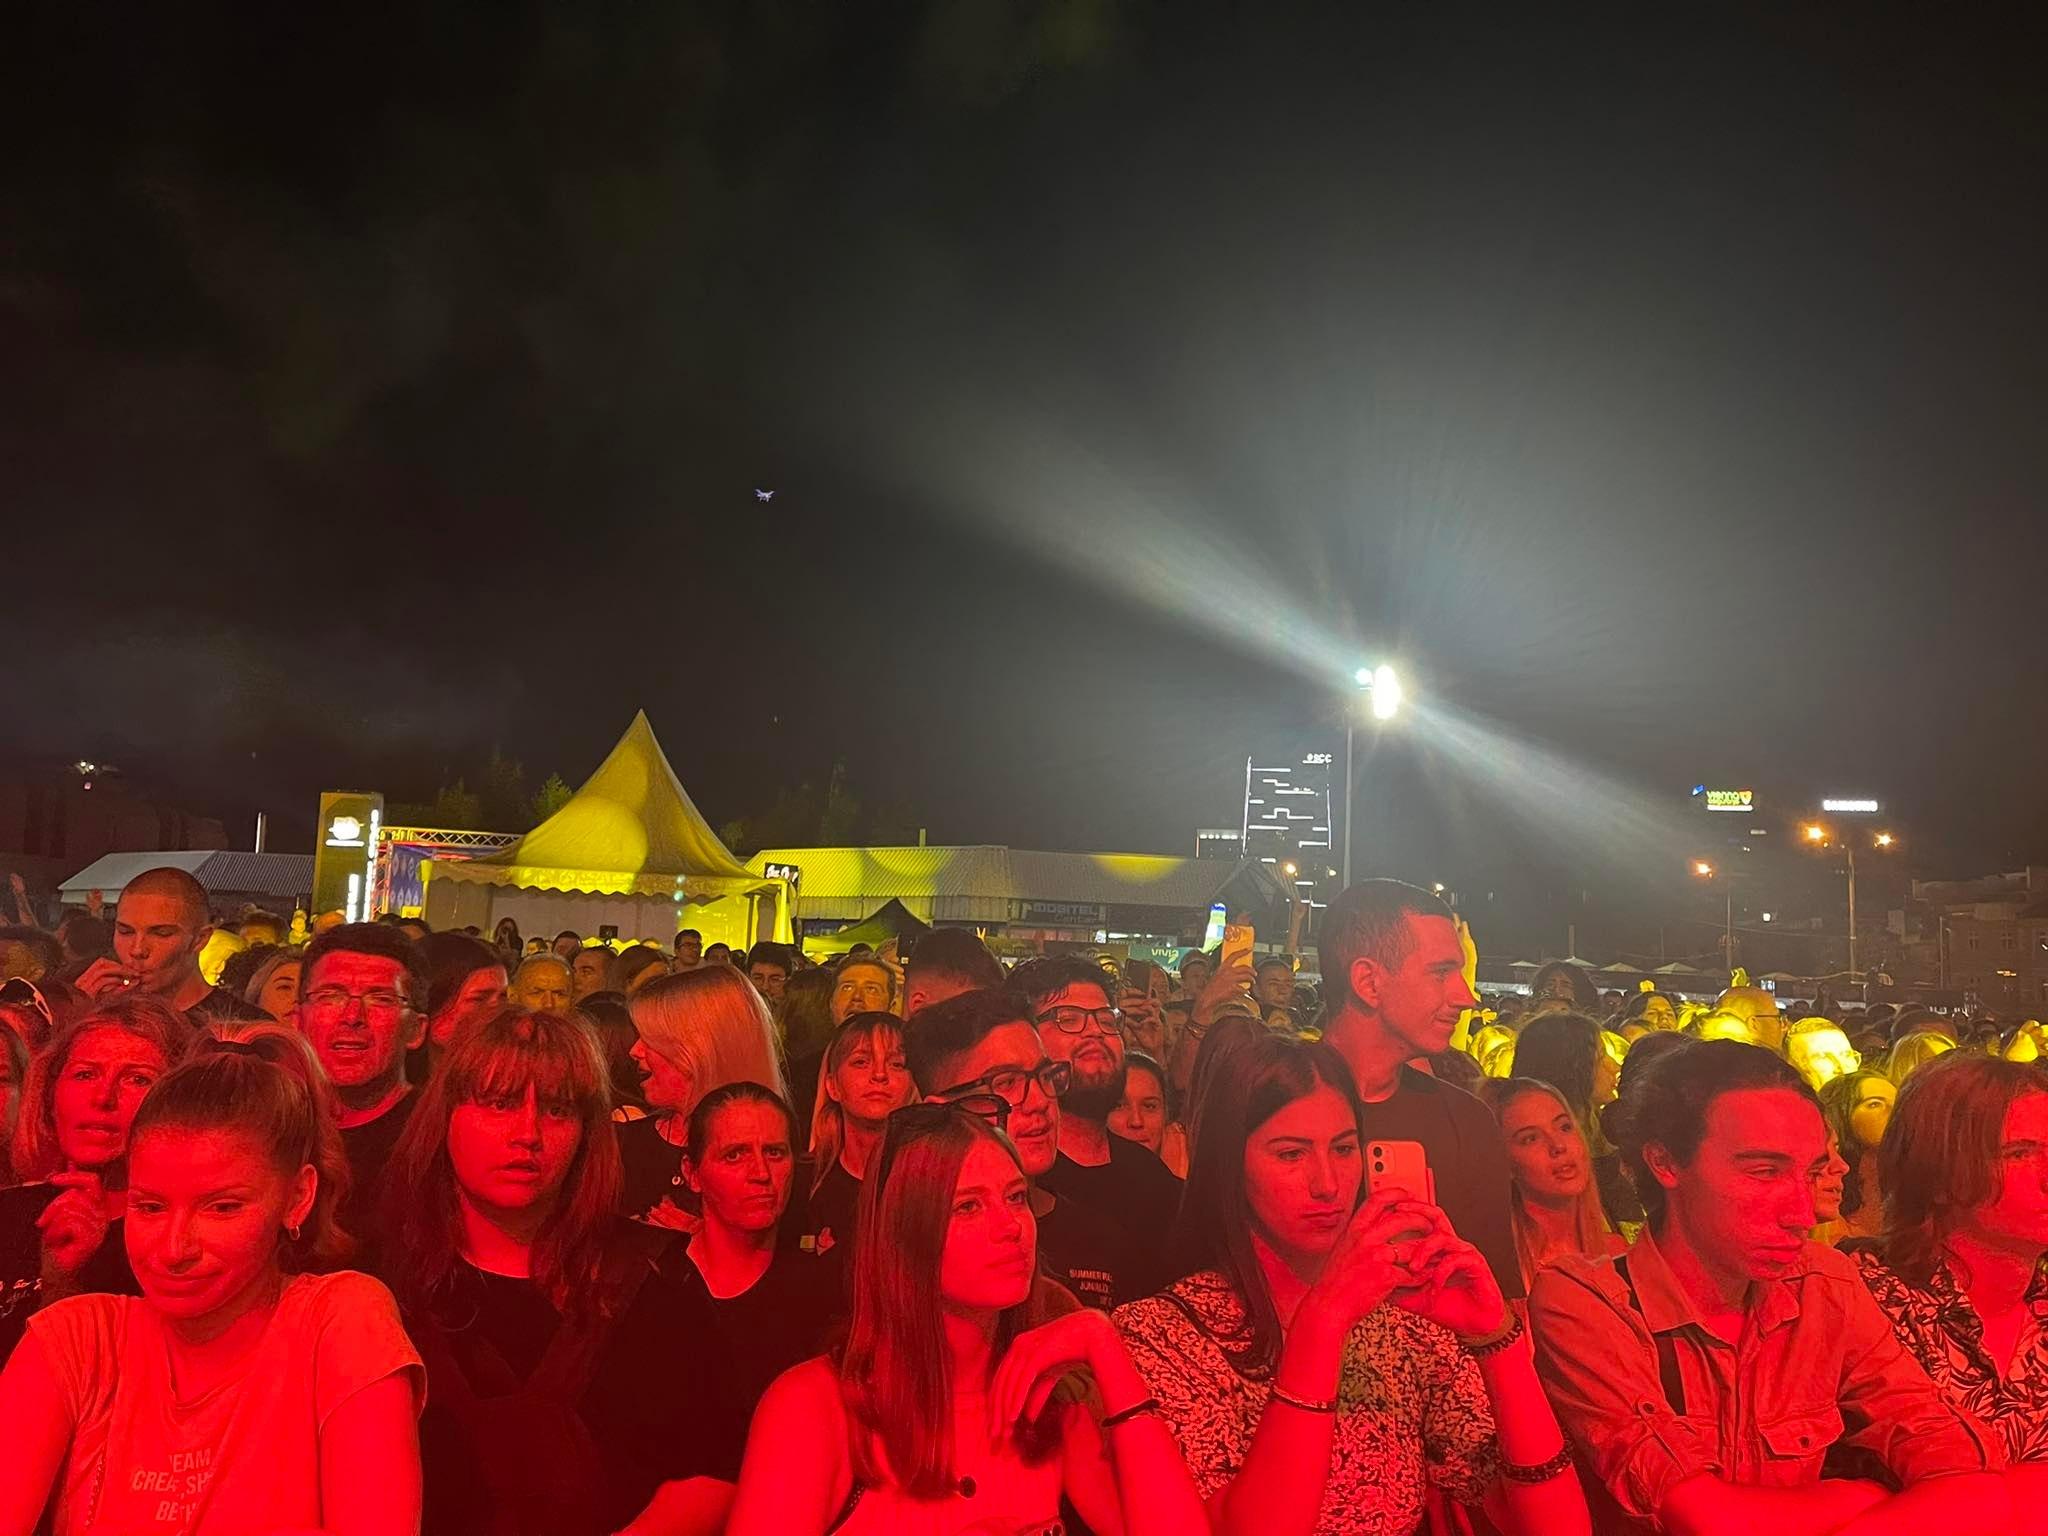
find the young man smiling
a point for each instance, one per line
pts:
(1394, 971)
(1703, 1375)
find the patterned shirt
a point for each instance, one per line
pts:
(1943, 1332)
(1413, 1412)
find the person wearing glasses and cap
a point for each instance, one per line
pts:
(1070, 1000)
(981, 1049)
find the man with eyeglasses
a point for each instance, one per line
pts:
(1070, 1001)
(981, 1050)
(361, 995)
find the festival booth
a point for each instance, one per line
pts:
(628, 857)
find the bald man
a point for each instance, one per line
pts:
(160, 927)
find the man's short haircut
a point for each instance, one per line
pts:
(945, 1033)
(370, 939)
(955, 954)
(688, 933)
(569, 933)
(1049, 975)
(1269, 961)
(177, 884)
(1370, 921)
(1668, 1106)
(768, 952)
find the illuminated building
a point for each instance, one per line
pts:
(1287, 821)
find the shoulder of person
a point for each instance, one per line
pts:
(1566, 1282)
(341, 1293)
(1203, 1303)
(81, 1324)
(808, 1391)
(1836, 1267)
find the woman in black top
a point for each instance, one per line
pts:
(556, 1335)
(756, 1308)
(60, 1231)
(865, 1078)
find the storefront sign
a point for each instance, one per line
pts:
(1060, 914)
(1730, 799)
(345, 862)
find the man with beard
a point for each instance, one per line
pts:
(1069, 999)
(160, 927)
(981, 1050)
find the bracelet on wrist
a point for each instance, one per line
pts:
(1304, 1404)
(1125, 1415)
(1493, 1343)
(1542, 1471)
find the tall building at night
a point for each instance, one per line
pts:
(1287, 821)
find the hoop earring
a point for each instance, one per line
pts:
(291, 1231)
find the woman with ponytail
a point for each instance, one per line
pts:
(248, 1388)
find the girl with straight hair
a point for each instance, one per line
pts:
(1554, 1202)
(550, 1325)
(60, 1228)
(245, 1389)
(699, 1030)
(959, 1402)
(1329, 1363)
(865, 1078)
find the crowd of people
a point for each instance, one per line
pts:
(400, 1230)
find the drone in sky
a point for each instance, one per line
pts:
(764, 495)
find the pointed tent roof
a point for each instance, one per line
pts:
(630, 828)
(891, 920)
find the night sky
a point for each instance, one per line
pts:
(1662, 389)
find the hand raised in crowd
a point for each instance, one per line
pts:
(103, 976)
(1040, 1357)
(1228, 982)
(1144, 1022)
(1453, 1285)
(74, 1225)
(1366, 1267)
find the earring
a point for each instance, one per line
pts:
(292, 1231)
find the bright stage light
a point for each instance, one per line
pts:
(1386, 693)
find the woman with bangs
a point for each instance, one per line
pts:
(60, 1228)
(970, 1395)
(699, 1030)
(552, 1328)
(251, 1386)
(865, 1079)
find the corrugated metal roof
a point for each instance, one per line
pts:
(283, 875)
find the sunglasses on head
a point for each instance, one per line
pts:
(23, 993)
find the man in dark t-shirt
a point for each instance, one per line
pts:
(1127, 1183)
(983, 1043)
(161, 925)
(1394, 970)
(362, 1005)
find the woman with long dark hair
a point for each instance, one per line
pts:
(543, 1316)
(1327, 1361)
(864, 1080)
(247, 1388)
(61, 1227)
(1857, 1107)
(1962, 1268)
(959, 1402)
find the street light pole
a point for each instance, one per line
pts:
(1350, 730)
(1855, 976)
(1384, 687)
